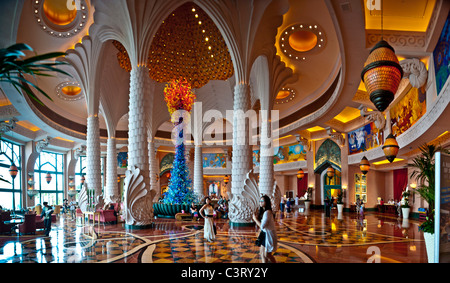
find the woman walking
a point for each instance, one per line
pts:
(268, 235)
(207, 212)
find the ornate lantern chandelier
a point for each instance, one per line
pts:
(382, 72)
(48, 178)
(364, 165)
(390, 148)
(300, 174)
(13, 171)
(330, 172)
(226, 179)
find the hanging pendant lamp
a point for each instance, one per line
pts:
(226, 179)
(330, 172)
(300, 174)
(13, 171)
(364, 165)
(48, 178)
(382, 74)
(390, 148)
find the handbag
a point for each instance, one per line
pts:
(261, 239)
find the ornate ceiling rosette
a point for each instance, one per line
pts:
(285, 95)
(299, 40)
(69, 91)
(61, 18)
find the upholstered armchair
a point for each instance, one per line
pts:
(4, 228)
(29, 224)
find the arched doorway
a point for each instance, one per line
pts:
(329, 155)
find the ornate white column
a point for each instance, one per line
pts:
(266, 176)
(242, 151)
(138, 194)
(154, 171)
(198, 172)
(111, 188)
(93, 166)
(241, 207)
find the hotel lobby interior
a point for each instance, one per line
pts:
(149, 106)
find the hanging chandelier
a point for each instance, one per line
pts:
(13, 171)
(226, 179)
(390, 148)
(382, 72)
(300, 174)
(364, 165)
(48, 178)
(330, 172)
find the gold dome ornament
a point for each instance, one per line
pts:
(364, 165)
(382, 74)
(300, 174)
(390, 148)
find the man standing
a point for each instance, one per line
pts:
(47, 215)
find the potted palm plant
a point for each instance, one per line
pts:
(13, 68)
(405, 204)
(424, 173)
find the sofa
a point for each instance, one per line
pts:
(5, 228)
(106, 215)
(29, 224)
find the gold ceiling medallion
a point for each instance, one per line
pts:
(61, 18)
(285, 95)
(69, 91)
(188, 44)
(299, 40)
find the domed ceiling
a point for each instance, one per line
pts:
(188, 44)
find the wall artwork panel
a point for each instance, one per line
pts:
(441, 56)
(122, 159)
(214, 160)
(364, 138)
(408, 110)
(283, 154)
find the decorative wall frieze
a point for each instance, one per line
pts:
(40, 145)
(304, 142)
(416, 71)
(374, 116)
(336, 136)
(6, 126)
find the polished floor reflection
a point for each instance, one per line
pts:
(303, 238)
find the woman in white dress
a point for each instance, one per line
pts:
(207, 212)
(266, 222)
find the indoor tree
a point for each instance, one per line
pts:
(424, 173)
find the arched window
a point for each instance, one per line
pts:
(10, 153)
(80, 171)
(49, 178)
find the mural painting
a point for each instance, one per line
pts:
(408, 111)
(214, 160)
(283, 154)
(441, 56)
(122, 159)
(364, 138)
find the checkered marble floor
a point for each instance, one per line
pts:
(301, 238)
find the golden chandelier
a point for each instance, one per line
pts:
(188, 44)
